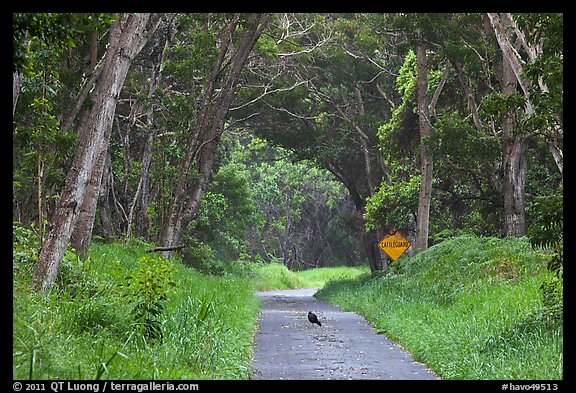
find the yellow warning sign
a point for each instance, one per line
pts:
(394, 245)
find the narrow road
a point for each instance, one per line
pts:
(288, 346)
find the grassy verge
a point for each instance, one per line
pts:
(469, 308)
(124, 314)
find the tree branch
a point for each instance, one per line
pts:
(156, 249)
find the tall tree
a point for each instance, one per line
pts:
(126, 38)
(514, 140)
(512, 40)
(426, 160)
(217, 97)
(82, 233)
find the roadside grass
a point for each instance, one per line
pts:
(277, 276)
(469, 308)
(124, 314)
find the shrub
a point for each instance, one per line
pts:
(149, 288)
(547, 234)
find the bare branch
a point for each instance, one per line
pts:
(266, 92)
(291, 113)
(438, 90)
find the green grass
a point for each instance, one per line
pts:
(277, 276)
(86, 328)
(469, 308)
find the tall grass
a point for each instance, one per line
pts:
(470, 308)
(85, 327)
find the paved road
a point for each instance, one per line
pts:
(344, 347)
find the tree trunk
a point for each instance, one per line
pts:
(426, 162)
(170, 232)
(514, 180)
(377, 259)
(369, 241)
(503, 24)
(173, 232)
(80, 238)
(82, 233)
(502, 29)
(141, 197)
(16, 85)
(514, 144)
(125, 35)
(514, 147)
(556, 149)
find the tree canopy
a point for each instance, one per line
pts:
(295, 137)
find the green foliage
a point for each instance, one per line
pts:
(202, 257)
(547, 234)
(393, 205)
(459, 142)
(267, 47)
(406, 79)
(227, 212)
(497, 105)
(263, 204)
(149, 287)
(25, 253)
(197, 52)
(56, 30)
(24, 244)
(268, 276)
(399, 135)
(545, 29)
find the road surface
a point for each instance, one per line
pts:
(288, 346)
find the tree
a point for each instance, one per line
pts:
(433, 123)
(515, 136)
(217, 97)
(82, 232)
(126, 40)
(420, 30)
(47, 48)
(426, 161)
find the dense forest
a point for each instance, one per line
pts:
(300, 138)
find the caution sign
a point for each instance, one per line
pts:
(394, 245)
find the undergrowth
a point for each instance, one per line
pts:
(125, 314)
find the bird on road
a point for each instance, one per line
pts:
(313, 318)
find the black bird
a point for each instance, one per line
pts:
(313, 318)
